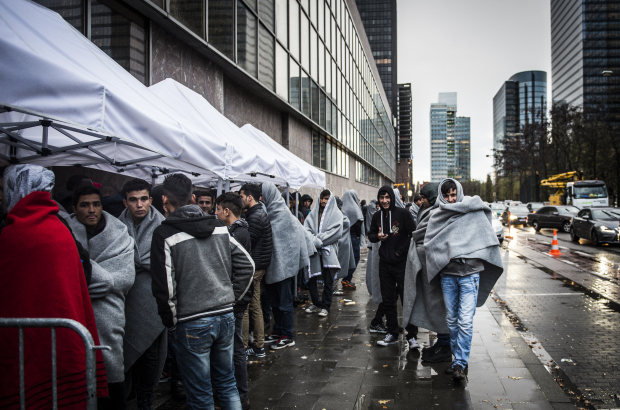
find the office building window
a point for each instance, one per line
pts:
(221, 26)
(282, 21)
(266, 13)
(266, 53)
(121, 38)
(190, 13)
(295, 84)
(282, 77)
(246, 39)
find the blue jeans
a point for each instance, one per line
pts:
(355, 241)
(281, 302)
(204, 352)
(460, 294)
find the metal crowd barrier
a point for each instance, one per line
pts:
(89, 345)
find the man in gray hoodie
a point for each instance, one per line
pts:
(199, 271)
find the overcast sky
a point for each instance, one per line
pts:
(470, 47)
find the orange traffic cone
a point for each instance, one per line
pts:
(555, 248)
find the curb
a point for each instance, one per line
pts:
(554, 394)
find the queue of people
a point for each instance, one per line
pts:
(190, 280)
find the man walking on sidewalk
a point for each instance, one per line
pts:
(262, 247)
(392, 226)
(199, 271)
(461, 247)
(324, 223)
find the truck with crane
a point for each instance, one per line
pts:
(571, 189)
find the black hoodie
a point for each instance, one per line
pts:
(398, 224)
(198, 268)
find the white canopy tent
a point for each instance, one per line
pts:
(251, 160)
(63, 101)
(302, 174)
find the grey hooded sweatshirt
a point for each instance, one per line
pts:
(198, 268)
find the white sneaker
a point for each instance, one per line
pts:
(388, 341)
(313, 309)
(413, 344)
(323, 313)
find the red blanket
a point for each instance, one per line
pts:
(41, 276)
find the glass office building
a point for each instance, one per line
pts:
(404, 122)
(379, 18)
(450, 140)
(300, 67)
(521, 100)
(585, 51)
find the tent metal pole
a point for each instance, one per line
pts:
(219, 185)
(227, 185)
(288, 201)
(296, 213)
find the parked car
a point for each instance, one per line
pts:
(599, 225)
(498, 228)
(553, 217)
(534, 206)
(498, 209)
(518, 215)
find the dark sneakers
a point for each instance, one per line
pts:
(348, 285)
(437, 354)
(283, 343)
(459, 373)
(272, 338)
(177, 389)
(377, 328)
(255, 351)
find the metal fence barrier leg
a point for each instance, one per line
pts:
(89, 347)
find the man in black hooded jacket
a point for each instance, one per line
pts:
(393, 227)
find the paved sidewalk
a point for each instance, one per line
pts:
(336, 364)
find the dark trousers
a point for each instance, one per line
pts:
(443, 339)
(240, 358)
(325, 301)
(281, 302)
(355, 241)
(145, 371)
(116, 399)
(265, 304)
(392, 281)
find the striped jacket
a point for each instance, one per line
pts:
(198, 268)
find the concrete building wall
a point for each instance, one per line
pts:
(242, 107)
(172, 58)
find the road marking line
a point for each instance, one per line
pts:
(582, 253)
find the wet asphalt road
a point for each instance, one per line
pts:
(568, 310)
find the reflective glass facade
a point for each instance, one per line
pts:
(450, 141)
(308, 52)
(113, 27)
(379, 18)
(521, 100)
(585, 45)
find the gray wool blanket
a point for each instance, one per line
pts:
(142, 322)
(372, 266)
(371, 208)
(326, 233)
(351, 208)
(414, 209)
(345, 249)
(290, 243)
(112, 258)
(463, 230)
(423, 303)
